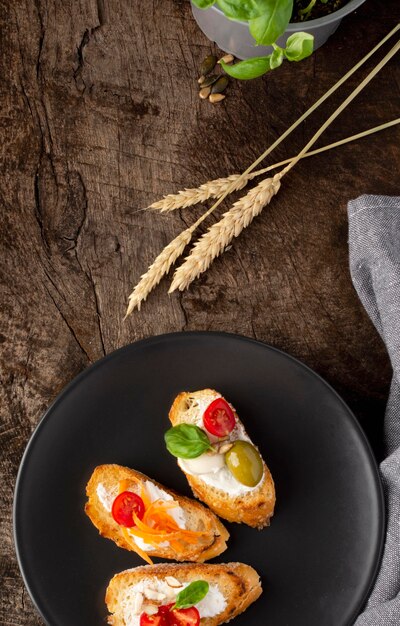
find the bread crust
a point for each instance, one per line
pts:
(239, 583)
(200, 517)
(253, 508)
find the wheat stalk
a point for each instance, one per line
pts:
(216, 188)
(158, 269)
(215, 240)
(218, 237)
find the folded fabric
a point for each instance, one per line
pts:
(374, 246)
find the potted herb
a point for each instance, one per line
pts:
(265, 32)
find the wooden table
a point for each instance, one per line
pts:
(100, 117)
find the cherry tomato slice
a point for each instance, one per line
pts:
(124, 506)
(219, 418)
(184, 617)
(153, 620)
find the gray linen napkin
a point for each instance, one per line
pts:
(374, 243)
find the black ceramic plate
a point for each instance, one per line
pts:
(319, 557)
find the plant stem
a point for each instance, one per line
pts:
(305, 12)
(336, 144)
(344, 104)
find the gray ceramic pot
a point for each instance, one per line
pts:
(234, 37)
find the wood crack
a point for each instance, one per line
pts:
(79, 81)
(41, 38)
(101, 13)
(98, 313)
(38, 209)
(181, 294)
(244, 270)
(87, 36)
(70, 328)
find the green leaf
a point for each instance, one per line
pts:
(276, 58)
(186, 441)
(242, 9)
(272, 23)
(203, 4)
(191, 595)
(251, 68)
(299, 46)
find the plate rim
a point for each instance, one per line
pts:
(201, 333)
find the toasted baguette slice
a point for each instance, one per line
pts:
(197, 517)
(254, 508)
(239, 585)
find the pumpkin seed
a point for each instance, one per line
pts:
(216, 97)
(208, 64)
(220, 85)
(201, 79)
(227, 58)
(209, 80)
(204, 93)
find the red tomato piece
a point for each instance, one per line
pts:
(219, 418)
(153, 620)
(124, 506)
(184, 617)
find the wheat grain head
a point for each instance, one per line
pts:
(217, 238)
(158, 269)
(189, 197)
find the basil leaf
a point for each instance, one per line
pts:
(203, 4)
(242, 9)
(299, 46)
(251, 68)
(276, 58)
(191, 595)
(272, 23)
(186, 441)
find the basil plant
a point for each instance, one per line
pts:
(267, 20)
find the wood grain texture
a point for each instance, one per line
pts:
(100, 116)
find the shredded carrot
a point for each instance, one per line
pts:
(157, 525)
(135, 547)
(158, 506)
(176, 545)
(123, 486)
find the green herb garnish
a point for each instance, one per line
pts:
(191, 595)
(187, 441)
(267, 20)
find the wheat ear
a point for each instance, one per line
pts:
(218, 237)
(172, 252)
(215, 240)
(215, 188)
(163, 263)
(189, 197)
(158, 269)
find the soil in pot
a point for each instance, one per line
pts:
(304, 10)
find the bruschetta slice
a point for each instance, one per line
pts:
(185, 594)
(223, 467)
(141, 515)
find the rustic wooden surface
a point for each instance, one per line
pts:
(100, 116)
